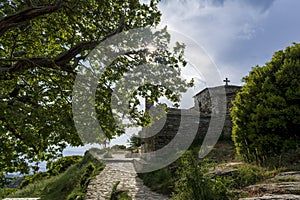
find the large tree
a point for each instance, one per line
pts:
(266, 113)
(42, 43)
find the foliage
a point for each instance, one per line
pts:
(248, 175)
(54, 168)
(66, 184)
(4, 192)
(113, 190)
(32, 178)
(76, 196)
(60, 165)
(266, 113)
(161, 181)
(118, 147)
(84, 179)
(118, 195)
(195, 183)
(135, 141)
(123, 195)
(42, 45)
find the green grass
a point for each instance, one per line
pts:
(161, 181)
(68, 183)
(6, 191)
(119, 194)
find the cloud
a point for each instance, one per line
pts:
(220, 26)
(215, 21)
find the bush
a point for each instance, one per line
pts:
(249, 175)
(194, 183)
(4, 192)
(59, 166)
(93, 167)
(161, 180)
(76, 196)
(32, 178)
(70, 184)
(119, 147)
(117, 194)
(266, 113)
(85, 178)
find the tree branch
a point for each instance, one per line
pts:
(25, 15)
(60, 62)
(66, 57)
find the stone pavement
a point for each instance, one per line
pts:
(284, 186)
(120, 169)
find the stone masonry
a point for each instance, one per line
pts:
(206, 103)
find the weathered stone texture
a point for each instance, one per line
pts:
(183, 121)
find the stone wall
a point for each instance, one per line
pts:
(183, 121)
(204, 102)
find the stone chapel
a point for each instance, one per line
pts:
(203, 103)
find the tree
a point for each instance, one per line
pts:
(42, 44)
(266, 113)
(135, 141)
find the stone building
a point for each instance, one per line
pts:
(208, 103)
(203, 101)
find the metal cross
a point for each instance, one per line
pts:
(226, 81)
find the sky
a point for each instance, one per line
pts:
(236, 34)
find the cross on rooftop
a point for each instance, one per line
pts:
(226, 81)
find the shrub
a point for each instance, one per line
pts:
(70, 184)
(32, 178)
(249, 175)
(118, 147)
(62, 164)
(117, 194)
(161, 180)
(76, 196)
(266, 113)
(4, 192)
(194, 183)
(88, 172)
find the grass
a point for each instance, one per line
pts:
(70, 184)
(119, 194)
(161, 181)
(249, 174)
(286, 179)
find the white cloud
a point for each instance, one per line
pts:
(213, 25)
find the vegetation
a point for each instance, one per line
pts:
(195, 183)
(42, 47)
(182, 179)
(248, 174)
(161, 181)
(59, 166)
(4, 192)
(54, 168)
(118, 147)
(134, 141)
(70, 184)
(118, 194)
(266, 112)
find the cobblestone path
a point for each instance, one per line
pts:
(120, 169)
